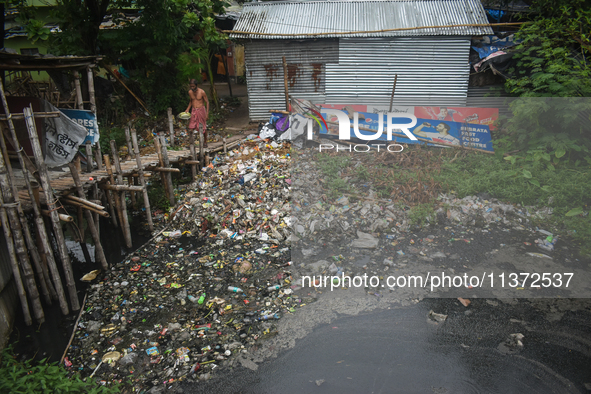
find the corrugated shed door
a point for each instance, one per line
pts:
(431, 70)
(306, 70)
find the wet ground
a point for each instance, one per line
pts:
(401, 350)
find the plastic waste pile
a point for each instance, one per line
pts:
(205, 290)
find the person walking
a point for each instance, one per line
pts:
(198, 108)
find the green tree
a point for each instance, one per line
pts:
(553, 56)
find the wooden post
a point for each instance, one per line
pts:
(95, 197)
(171, 126)
(125, 221)
(140, 170)
(80, 223)
(79, 101)
(89, 165)
(119, 205)
(111, 203)
(201, 149)
(161, 162)
(193, 154)
(77, 163)
(99, 157)
(89, 220)
(92, 99)
(285, 84)
(14, 264)
(128, 141)
(225, 146)
(50, 201)
(131, 193)
(393, 90)
(168, 175)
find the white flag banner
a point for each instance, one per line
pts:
(62, 137)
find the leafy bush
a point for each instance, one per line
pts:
(43, 377)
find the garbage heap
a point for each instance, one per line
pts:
(207, 289)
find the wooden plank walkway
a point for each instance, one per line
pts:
(62, 182)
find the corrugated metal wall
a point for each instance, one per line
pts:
(306, 62)
(431, 71)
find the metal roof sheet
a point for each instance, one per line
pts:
(359, 18)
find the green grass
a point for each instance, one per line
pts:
(563, 189)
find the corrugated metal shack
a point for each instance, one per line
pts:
(348, 52)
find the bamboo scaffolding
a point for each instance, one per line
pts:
(99, 157)
(14, 265)
(31, 244)
(128, 142)
(120, 202)
(140, 171)
(19, 243)
(167, 171)
(50, 201)
(89, 220)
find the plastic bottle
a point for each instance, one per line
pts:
(201, 299)
(268, 317)
(235, 289)
(272, 288)
(192, 299)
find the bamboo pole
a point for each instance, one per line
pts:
(92, 98)
(120, 202)
(165, 169)
(372, 31)
(201, 149)
(171, 126)
(132, 190)
(83, 202)
(99, 157)
(89, 220)
(14, 265)
(285, 84)
(140, 170)
(128, 89)
(88, 156)
(117, 164)
(84, 206)
(121, 188)
(79, 101)
(63, 218)
(193, 154)
(80, 222)
(19, 243)
(50, 201)
(128, 141)
(111, 203)
(168, 171)
(161, 162)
